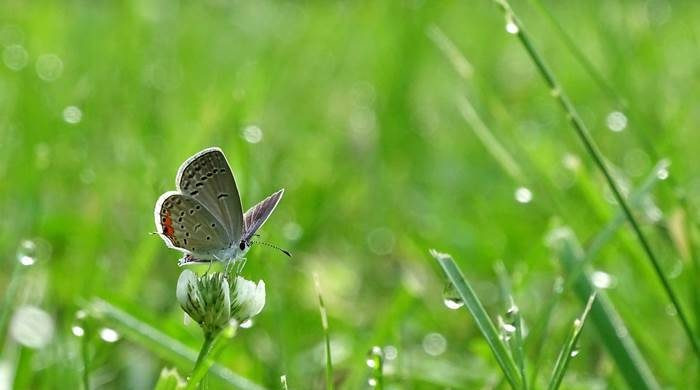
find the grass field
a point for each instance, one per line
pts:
(395, 128)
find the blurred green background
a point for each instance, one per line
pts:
(355, 110)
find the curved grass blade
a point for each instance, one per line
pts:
(483, 321)
(568, 350)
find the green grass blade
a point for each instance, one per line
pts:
(516, 341)
(326, 335)
(159, 343)
(609, 325)
(495, 148)
(567, 351)
(592, 149)
(450, 50)
(539, 333)
(483, 321)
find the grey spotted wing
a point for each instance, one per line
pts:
(258, 214)
(207, 177)
(186, 225)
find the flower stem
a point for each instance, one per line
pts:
(197, 372)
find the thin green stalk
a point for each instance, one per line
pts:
(516, 341)
(85, 351)
(212, 346)
(568, 349)
(376, 357)
(540, 331)
(203, 352)
(595, 153)
(326, 335)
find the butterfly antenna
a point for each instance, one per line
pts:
(286, 252)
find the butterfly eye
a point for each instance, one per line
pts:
(242, 245)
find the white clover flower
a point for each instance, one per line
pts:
(247, 299)
(205, 299)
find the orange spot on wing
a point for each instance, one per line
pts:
(168, 229)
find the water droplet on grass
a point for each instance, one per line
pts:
(390, 352)
(451, 298)
(26, 253)
(252, 134)
(523, 195)
(372, 382)
(15, 57)
(77, 331)
(512, 27)
(602, 279)
(434, 344)
(109, 335)
(49, 67)
(662, 174)
(616, 121)
(32, 327)
(72, 115)
(574, 352)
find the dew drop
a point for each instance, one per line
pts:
(252, 134)
(451, 298)
(574, 352)
(372, 382)
(512, 27)
(26, 253)
(390, 352)
(15, 57)
(616, 121)
(662, 174)
(77, 331)
(523, 195)
(49, 67)
(72, 115)
(508, 328)
(571, 162)
(371, 363)
(434, 344)
(32, 327)
(602, 279)
(109, 335)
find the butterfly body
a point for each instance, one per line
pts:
(204, 218)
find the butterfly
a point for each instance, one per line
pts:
(204, 218)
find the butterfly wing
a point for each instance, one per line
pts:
(186, 225)
(207, 178)
(258, 214)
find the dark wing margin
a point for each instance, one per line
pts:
(258, 214)
(207, 177)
